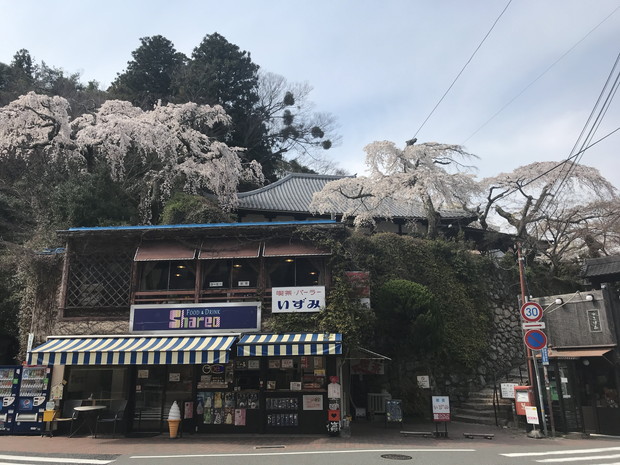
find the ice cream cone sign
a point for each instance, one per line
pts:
(174, 419)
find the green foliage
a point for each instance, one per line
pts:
(454, 277)
(39, 278)
(92, 200)
(9, 294)
(149, 77)
(184, 208)
(344, 314)
(407, 318)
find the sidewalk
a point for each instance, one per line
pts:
(364, 435)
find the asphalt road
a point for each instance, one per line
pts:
(369, 444)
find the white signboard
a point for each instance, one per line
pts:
(441, 408)
(297, 299)
(424, 382)
(531, 415)
(313, 402)
(508, 390)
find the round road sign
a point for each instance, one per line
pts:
(531, 312)
(535, 339)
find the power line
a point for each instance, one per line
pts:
(539, 76)
(597, 121)
(558, 165)
(463, 68)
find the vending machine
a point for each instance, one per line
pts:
(9, 389)
(33, 390)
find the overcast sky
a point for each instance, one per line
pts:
(378, 66)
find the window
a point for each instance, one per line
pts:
(168, 275)
(296, 271)
(98, 279)
(97, 383)
(230, 274)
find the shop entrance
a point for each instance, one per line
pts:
(156, 388)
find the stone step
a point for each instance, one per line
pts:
(474, 412)
(483, 405)
(478, 419)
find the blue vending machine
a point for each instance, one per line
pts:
(9, 389)
(34, 386)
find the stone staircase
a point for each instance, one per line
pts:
(478, 407)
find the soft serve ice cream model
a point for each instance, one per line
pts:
(174, 419)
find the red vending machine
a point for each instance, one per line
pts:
(9, 388)
(33, 390)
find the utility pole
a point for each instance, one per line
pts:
(528, 352)
(532, 367)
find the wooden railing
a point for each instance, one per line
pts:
(204, 296)
(163, 297)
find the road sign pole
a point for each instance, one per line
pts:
(540, 396)
(548, 389)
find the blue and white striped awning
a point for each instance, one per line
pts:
(257, 345)
(133, 350)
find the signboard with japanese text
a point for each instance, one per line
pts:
(312, 402)
(366, 366)
(394, 410)
(360, 282)
(195, 318)
(594, 321)
(297, 299)
(441, 408)
(424, 382)
(531, 415)
(508, 390)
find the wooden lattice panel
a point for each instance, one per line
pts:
(99, 280)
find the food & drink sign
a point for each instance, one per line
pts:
(195, 318)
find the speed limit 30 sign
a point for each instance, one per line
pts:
(531, 312)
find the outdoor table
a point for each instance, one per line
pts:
(88, 414)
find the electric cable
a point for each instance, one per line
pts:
(540, 76)
(609, 95)
(463, 68)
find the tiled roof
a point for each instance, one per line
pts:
(604, 266)
(293, 194)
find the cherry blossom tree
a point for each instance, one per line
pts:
(582, 231)
(430, 176)
(559, 205)
(150, 153)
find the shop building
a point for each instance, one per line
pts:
(157, 314)
(583, 360)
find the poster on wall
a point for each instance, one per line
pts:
(240, 417)
(313, 402)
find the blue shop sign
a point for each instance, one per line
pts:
(195, 318)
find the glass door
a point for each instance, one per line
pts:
(179, 387)
(149, 401)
